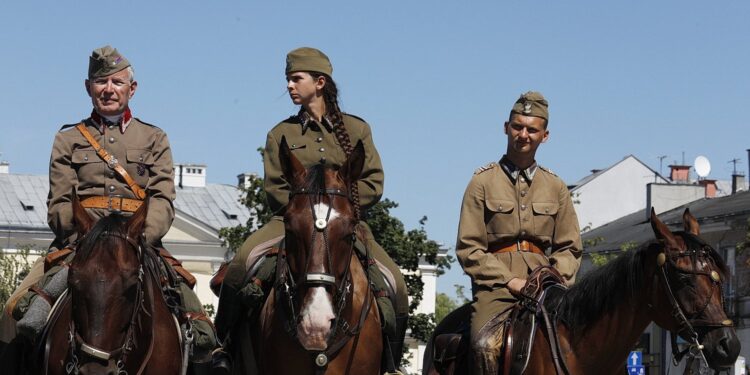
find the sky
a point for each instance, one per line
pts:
(434, 79)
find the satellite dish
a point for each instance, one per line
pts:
(702, 166)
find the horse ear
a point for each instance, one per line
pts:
(293, 170)
(137, 222)
(82, 221)
(352, 168)
(690, 223)
(662, 232)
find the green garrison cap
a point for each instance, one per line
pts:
(105, 61)
(532, 103)
(308, 59)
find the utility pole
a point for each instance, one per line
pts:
(661, 161)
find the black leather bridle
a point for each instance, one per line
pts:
(687, 323)
(117, 358)
(286, 286)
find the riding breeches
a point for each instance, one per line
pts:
(490, 309)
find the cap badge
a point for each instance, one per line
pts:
(526, 108)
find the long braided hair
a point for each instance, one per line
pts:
(333, 112)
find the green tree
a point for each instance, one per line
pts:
(13, 268)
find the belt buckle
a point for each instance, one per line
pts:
(518, 245)
(110, 205)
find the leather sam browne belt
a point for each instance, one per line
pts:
(520, 245)
(112, 203)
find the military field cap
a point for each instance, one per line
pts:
(308, 59)
(532, 103)
(105, 61)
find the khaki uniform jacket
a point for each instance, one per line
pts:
(143, 150)
(498, 210)
(311, 144)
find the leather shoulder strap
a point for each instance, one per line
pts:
(111, 162)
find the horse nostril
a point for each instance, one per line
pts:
(723, 347)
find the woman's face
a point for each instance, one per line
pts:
(303, 88)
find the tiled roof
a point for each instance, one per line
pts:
(23, 203)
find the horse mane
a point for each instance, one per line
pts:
(603, 289)
(315, 178)
(114, 223)
(607, 287)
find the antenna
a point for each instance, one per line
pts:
(702, 166)
(733, 161)
(661, 160)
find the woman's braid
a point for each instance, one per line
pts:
(330, 95)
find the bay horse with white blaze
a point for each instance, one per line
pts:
(113, 319)
(674, 281)
(321, 316)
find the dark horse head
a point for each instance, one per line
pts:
(692, 303)
(320, 224)
(106, 286)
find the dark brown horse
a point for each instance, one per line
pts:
(114, 318)
(321, 316)
(674, 282)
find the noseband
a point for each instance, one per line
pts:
(287, 286)
(687, 324)
(118, 357)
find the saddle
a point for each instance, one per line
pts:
(538, 304)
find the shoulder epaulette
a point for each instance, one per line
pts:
(548, 170)
(67, 127)
(485, 168)
(355, 116)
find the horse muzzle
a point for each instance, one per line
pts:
(721, 347)
(95, 368)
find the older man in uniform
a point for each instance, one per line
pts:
(139, 167)
(514, 213)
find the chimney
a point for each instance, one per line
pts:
(4, 167)
(190, 175)
(679, 173)
(710, 186)
(738, 182)
(243, 179)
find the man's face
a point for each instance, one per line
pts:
(303, 87)
(525, 134)
(110, 95)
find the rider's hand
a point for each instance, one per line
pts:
(515, 285)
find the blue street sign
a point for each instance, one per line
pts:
(636, 370)
(635, 359)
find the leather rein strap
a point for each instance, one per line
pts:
(111, 161)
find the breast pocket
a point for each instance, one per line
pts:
(544, 219)
(500, 217)
(89, 168)
(139, 163)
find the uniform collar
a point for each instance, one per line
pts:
(102, 122)
(513, 171)
(307, 122)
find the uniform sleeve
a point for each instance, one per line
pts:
(160, 191)
(62, 180)
(372, 179)
(471, 246)
(566, 240)
(274, 183)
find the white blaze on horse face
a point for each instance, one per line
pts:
(321, 212)
(316, 320)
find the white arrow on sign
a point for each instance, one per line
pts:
(634, 358)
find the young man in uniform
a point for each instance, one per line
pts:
(515, 216)
(139, 168)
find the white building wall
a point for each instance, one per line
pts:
(616, 192)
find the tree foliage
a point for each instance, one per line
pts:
(13, 268)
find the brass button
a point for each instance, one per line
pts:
(322, 149)
(111, 187)
(85, 158)
(523, 207)
(546, 210)
(294, 145)
(319, 139)
(111, 139)
(523, 193)
(323, 160)
(111, 127)
(140, 158)
(110, 173)
(523, 232)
